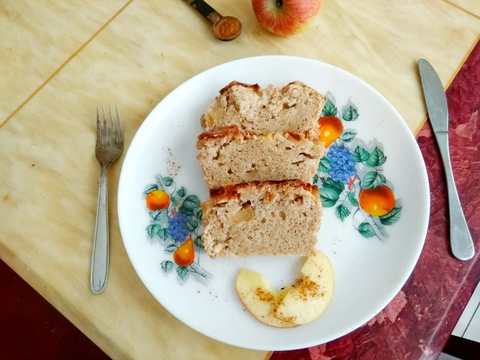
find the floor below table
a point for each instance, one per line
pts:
(31, 326)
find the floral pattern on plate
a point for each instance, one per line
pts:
(350, 175)
(175, 221)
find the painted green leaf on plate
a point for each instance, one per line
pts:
(329, 108)
(178, 196)
(392, 217)
(366, 230)
(161, 233)
(342, 212)
(182, 272)
(171, 247)
(162, 219)
(150, 188)
(190, 205)
(348, 135)
(191, 202)
(349, 112)
(330, 191)
(336, 185)
(197, 212)
(376, 158)
(198, 242)
(360, 154)
(372, 179)
(328, 196)
(192, 223)
(151, 229)
(352, 198)
(154, 214)
(166, 265)
(167, 181)
(324, 165)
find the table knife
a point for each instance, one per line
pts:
(461, 241)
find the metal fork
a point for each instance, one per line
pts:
(108, 149)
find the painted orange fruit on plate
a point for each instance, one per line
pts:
(377, 201)
(331, 128)
(157, 200)
(185, 253)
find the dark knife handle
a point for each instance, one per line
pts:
(206, 10)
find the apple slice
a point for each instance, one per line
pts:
(297, 304)
(309, 296)
(255, 293)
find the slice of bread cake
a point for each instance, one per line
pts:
(229, 156)
(262, 218)
(295, 107)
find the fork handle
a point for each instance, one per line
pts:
(100, 255)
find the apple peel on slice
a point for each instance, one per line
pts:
(255, 293)
(302, 302)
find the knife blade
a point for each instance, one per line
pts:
(435, 98)
(461, 242)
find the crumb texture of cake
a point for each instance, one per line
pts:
(262, 218)
(230, 156)
(294, 107)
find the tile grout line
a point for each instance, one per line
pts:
(65, 63)
(462, 9)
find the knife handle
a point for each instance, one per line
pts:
(461, 241)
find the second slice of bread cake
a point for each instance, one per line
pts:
(262, 218)
(229, 156)
(294, 107)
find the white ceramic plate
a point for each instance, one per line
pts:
(369, 270)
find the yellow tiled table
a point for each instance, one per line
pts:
(75, 55)
(469, 6)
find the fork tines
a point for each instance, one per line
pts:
(109, 128)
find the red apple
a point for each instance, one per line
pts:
(285, 17)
